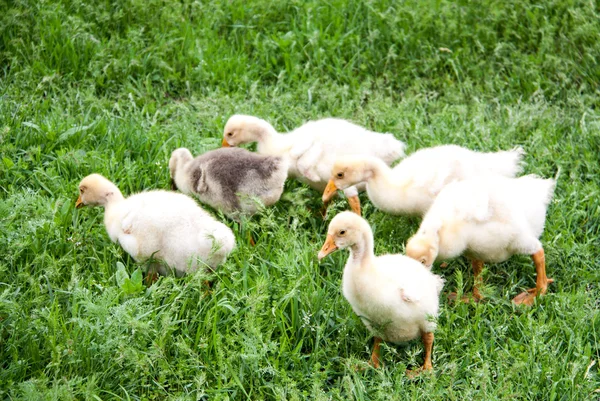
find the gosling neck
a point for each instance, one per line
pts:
(184, 165)
(181, 164)
(376, 170)
(390, 190)
(362, 251)
(112, 197)
(431, 226)
(269, 141)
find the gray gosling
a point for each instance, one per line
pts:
(233, 180)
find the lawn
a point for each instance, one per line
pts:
(114, 86)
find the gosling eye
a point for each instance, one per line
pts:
(424, 261)
(342, 233)
(230, 134)
(81, 189)
(340, 175)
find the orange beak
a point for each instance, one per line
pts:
(330, 190)
(79, 203)
(225, 144)
(328, 247)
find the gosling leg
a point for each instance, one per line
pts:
(375, 359)
(541, 281)
(354, 203)
(427, 339)
(477, 279)
(477, 282)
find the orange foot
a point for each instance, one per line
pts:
(375, 363)
(466, 298)
(414, 373)
(528, 297)
(525, 298)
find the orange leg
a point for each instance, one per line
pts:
(151, 277)
(208, 284)
(541, 281)
(477, 280)
(375, 359)
(428, 343)
(326, 203)
(323, 210)
(249, 235)
(354, 203)
(427, 339)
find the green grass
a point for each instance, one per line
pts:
(114, 86)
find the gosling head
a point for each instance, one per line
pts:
(423, 247)
(178, 158)
(241, 129)
(95, 190)
(346, 172)
(345, 230)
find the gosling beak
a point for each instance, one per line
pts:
(225, 144)
(328, 247)
(330, 190)
(173, 185)
(79, 203)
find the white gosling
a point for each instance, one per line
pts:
(313, 147)
(412, 185)
(231, 179)
(396, 297)
(489, 219)
(167, 226)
